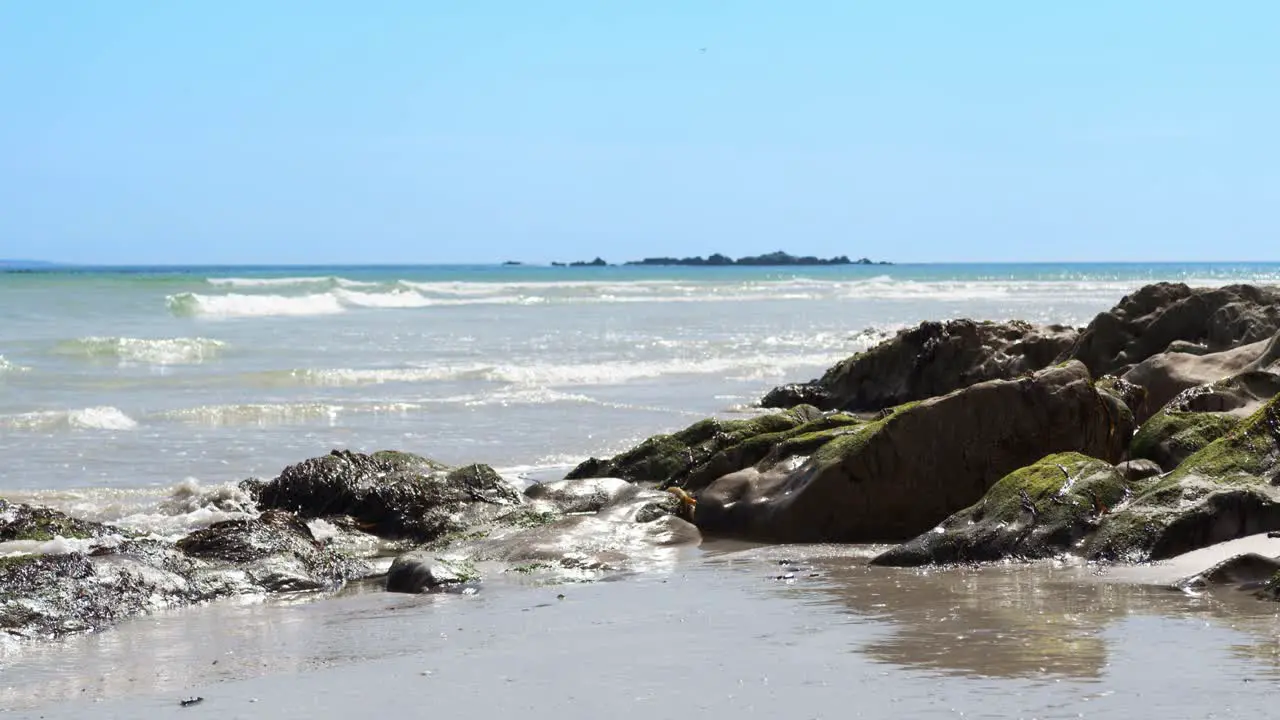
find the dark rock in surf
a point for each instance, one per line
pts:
(419, 571)
(1249, 571)
(391, 494)
(275, 552)
(28, 522)
(569, 530)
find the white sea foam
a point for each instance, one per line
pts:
(155, 351)
(321, 281)
(261, 414)
(392, 299)
(165, 512)
(737, 366)
(9, 367)
(240, 305)
(329, 295)
(92, 418)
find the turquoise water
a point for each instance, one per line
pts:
(143, 392)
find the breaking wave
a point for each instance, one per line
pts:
(158, 351)
(166, 512)
(330, 295)
(92, 418)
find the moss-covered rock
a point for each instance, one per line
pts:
(1037, 511)
(391, 494)
(1171, 436)
(701, 449)
(895, 477)
(1226, 490)
(27, 522)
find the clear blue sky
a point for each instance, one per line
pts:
(436, 131)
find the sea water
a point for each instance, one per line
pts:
(142, 395)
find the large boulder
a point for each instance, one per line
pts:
(1252, 368)
(1227, 490)
(931, 359)
(1172, 316)
(391, 494)
(1037, 511)
(897, 476)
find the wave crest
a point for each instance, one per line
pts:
(157, 351)
(92, 418)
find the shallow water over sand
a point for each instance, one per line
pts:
(769, 632)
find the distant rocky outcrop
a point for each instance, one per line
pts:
(773, 259)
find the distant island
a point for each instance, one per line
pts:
(773, 259)
(6, 264)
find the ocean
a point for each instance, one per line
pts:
(141, 395)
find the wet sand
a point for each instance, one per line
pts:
(803, 632)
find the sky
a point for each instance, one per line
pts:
(136, 131)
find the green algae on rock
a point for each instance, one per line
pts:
(1171, 436)
(896, 477)
(700, 449)
(1038, 511)
(1225, 491)
(27, 522)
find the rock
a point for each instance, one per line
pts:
(778, 258)
(616, 527)
(391, 494)
(793, 394)
(44, 596)
(1038, 511)
(1137, 470)
(931, 359)
(900, 475)
(1249, 571)
(41, 524)
(1153, 319)
(1227, 490)
(580, 495)
(418, 571)
(1133, 396)
(710, 448)
(276, 552)
(1172, 436)
(1167, 375)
